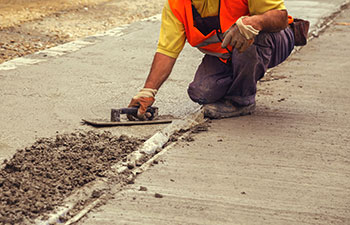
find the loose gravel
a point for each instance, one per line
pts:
(39, 177)
(30, 26)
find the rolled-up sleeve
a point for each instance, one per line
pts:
(257, 7)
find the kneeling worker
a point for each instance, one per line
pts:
(241, 39)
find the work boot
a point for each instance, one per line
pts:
(225, 109)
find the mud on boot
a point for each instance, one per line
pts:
(226, 109)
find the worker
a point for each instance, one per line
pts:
(240, 40)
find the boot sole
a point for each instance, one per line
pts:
(243, 111)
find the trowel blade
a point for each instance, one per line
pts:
(97, 123)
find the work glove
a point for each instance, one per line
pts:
(142, 101)
(239, 36)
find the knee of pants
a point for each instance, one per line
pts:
(202, 95)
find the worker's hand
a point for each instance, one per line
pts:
(239, 36)
(142, 100)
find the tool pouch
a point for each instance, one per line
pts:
(300, 29)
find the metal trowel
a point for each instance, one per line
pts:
(152, 113)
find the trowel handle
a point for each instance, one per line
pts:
(115, 113)
(133, 111)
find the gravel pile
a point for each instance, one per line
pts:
(39, 177)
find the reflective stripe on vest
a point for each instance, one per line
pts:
(211, 40)
(217, 54)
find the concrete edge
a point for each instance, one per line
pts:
(327, 20)
(140, 160)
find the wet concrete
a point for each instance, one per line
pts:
(288, 163)
(65, 85)
(52, 95)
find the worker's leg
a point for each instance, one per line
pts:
(268, 50)
(215, 80)
(211, 82)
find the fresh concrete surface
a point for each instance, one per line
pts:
(61, 87)
(288, 163)
(86, 78)
(54, 94)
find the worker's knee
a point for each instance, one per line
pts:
(203, 94)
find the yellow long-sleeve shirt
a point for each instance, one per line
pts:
(172, 36)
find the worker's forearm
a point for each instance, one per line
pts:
(160, 70)
(270, 21)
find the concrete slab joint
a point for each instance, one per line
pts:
(160, 138)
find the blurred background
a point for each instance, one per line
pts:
(27, 26)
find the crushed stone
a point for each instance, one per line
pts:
(38, 178)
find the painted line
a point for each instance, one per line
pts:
(65, 48)
(13, 64)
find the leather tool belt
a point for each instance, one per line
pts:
(300, 29)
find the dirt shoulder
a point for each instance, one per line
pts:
(30, 26)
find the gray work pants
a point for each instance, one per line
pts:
(236, 80)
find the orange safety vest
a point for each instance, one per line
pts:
(229, 12)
